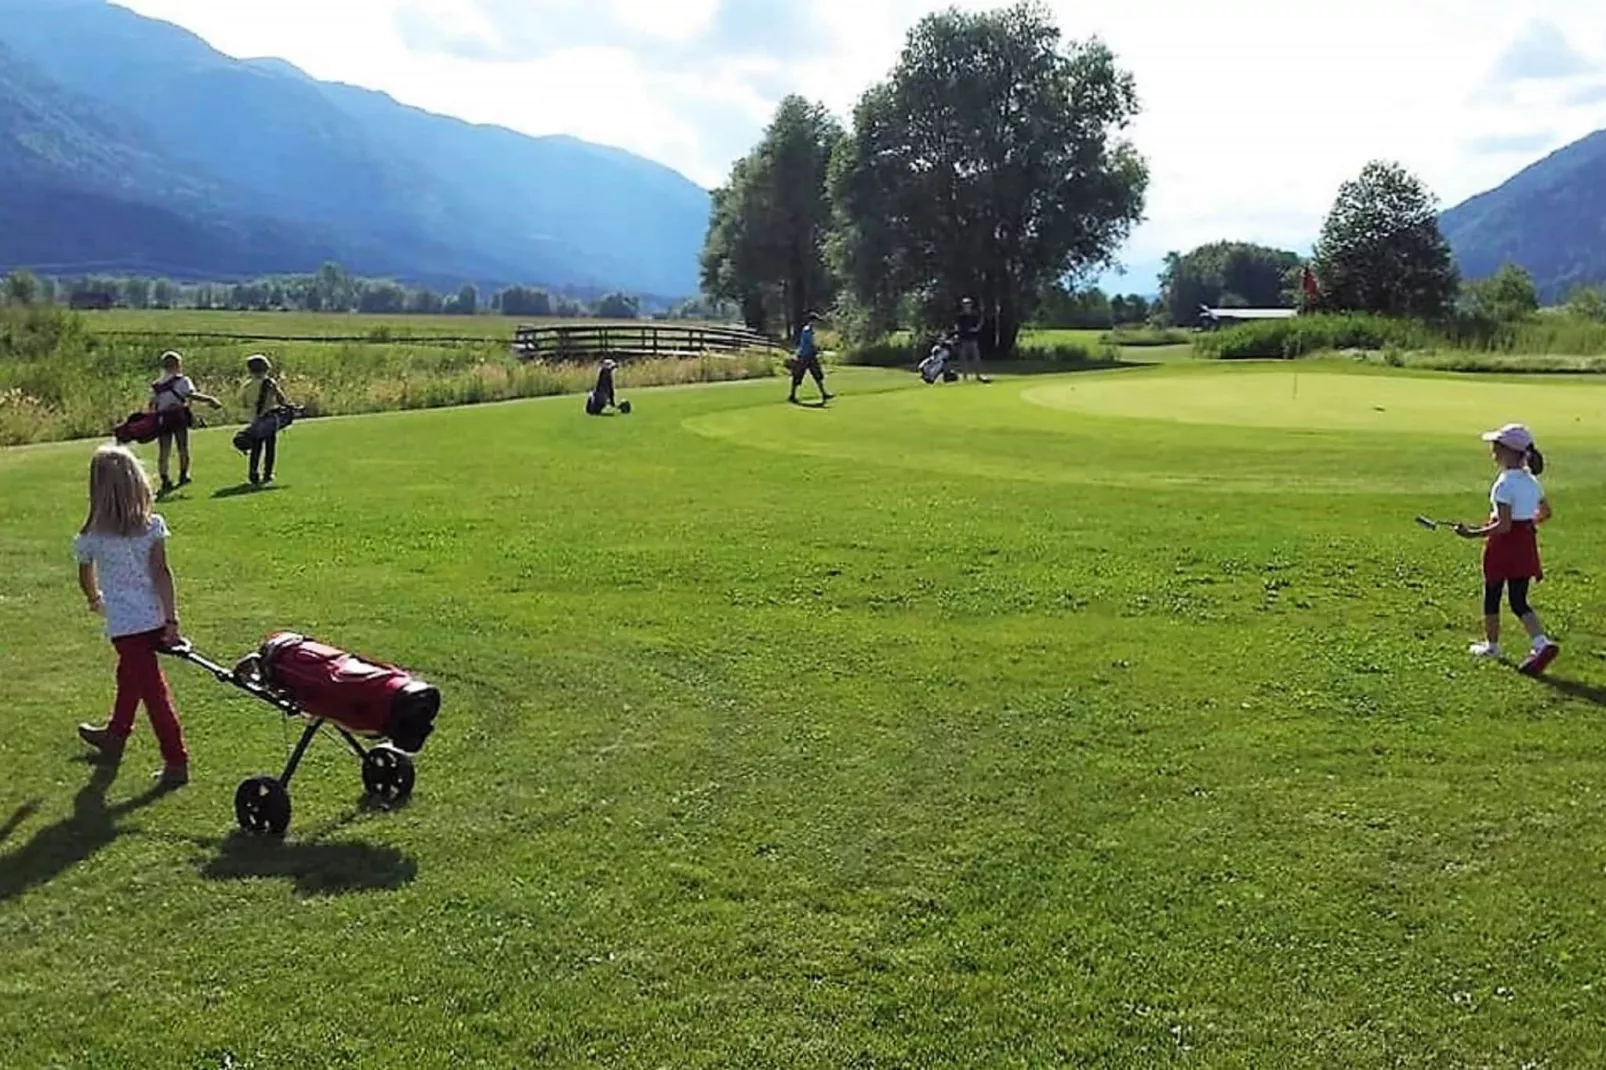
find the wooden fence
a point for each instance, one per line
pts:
(626, 341)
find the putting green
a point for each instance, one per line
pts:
(1210, 428)
(1336, 402)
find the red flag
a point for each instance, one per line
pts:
(1309, 283)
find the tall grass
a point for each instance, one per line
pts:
(1146, 337)
(1045, 351)
(1545, 335)
(59, 381)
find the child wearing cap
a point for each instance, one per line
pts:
(1511, 544)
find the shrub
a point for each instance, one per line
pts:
(898, 353)
(1303, 335)
(883, 354)
(1148, 336)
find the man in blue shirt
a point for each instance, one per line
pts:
(807, 361)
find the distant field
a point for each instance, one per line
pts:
(300, 325)
(309, 325)
(332, 364)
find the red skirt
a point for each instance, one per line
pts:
(1514, 555)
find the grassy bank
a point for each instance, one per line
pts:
(1407, 341)
(67, 380)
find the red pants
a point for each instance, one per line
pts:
(140, 679)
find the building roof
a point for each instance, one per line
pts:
(1251, 313)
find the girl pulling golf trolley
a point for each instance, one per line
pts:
(356, 697)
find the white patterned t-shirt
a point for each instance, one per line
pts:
(123, 567)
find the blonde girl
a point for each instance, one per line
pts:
(123, 572)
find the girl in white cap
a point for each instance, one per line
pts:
(1511, 544)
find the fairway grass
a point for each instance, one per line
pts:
(959, 726)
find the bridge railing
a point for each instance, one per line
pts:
(574, 342)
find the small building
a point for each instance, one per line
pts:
(1211, 319)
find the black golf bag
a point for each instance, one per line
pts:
(266, 426)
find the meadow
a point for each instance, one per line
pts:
(314, 325)
(95, 368)
(1112, 719)
(99, 369)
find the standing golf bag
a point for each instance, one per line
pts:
(937, 364)
(355, 696)
(266, 426)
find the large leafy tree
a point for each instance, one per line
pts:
(1225, 274)
(1509, 296)
(765, 246)
(989, 164)
(1381, 250)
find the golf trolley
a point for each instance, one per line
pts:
(327, 687)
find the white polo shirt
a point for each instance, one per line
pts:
(1517, 488)
(181, 391)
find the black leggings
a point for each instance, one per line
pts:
(1519, 597)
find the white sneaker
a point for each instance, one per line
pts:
(1491, 651)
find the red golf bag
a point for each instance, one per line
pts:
(139, 427)
(367, 698)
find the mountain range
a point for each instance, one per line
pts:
(1550, 218)
(128, 144)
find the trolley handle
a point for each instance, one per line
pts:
(184, 650)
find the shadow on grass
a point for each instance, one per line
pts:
(316, 868)
(1027, 366)
(1577, 689)
(18, 816)
(59, 847)
(244, 489)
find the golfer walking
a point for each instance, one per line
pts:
(807, 361)
(967, 327)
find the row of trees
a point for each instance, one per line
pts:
(989, 164)
(1092, 309)
(1380, 251)
(330, 289)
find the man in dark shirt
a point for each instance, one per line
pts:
(967, 325)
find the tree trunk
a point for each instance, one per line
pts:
(753, 311)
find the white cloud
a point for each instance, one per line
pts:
(1254, 110)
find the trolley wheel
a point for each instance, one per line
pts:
(387, 773)
(262, 807)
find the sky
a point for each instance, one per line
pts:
(1254, 110)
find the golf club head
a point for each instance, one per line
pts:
(1431, 525)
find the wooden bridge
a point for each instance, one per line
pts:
(627, 341)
